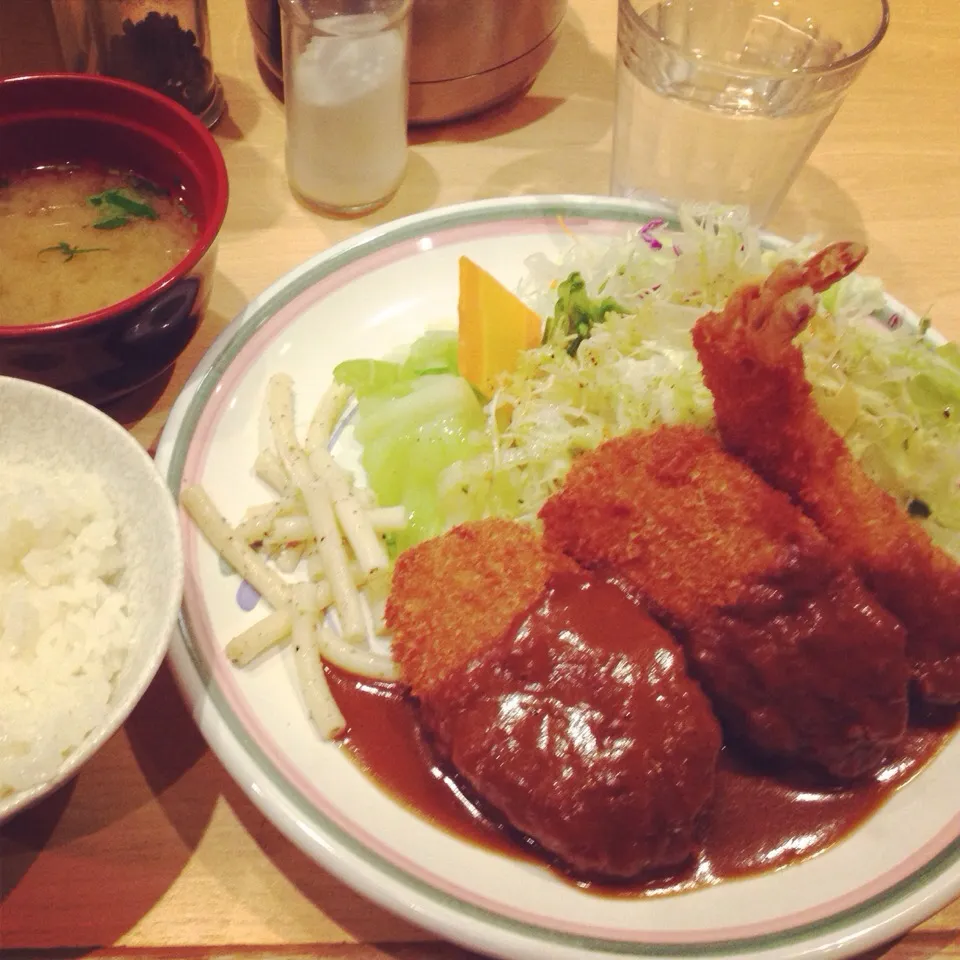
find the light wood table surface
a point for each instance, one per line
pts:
(152, 850)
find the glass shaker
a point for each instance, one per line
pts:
(161, 44)
(345, 68)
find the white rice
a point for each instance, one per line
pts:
(65, 625)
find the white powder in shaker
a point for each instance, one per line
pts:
(346, 114)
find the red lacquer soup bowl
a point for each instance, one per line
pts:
(79, 119)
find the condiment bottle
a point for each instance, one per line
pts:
(161, 44)
(345, 65)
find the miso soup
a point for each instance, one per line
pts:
(74, 239)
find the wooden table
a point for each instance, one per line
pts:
(152, 850)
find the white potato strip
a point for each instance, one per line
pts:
(377, 591)
(387, 519)
(277, 529)
(274, 629)
(289, 559)
(257, 523)
(269, 632)
(316, 572)
(274, 547)
(324, 595)
(315, 569)
(246, 646)
(294, 527)
(353, 518)
(378, 615)
(354, 659)
(328, 411)
(335, 564)
(320, 704)
(319, 508)
(379, 586)
(270, 470)
(224, 540)
(364, 496)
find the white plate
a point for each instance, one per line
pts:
(363, 298)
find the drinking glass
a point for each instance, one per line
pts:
(345, 69)
(722, 101)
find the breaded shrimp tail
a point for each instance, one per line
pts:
(766, 413)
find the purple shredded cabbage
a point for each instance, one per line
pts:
(645, 235)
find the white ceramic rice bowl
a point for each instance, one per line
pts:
(43, 427)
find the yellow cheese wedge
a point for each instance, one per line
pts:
(494, 326)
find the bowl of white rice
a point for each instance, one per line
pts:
(91, 576)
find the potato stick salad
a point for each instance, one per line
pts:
(308, 551)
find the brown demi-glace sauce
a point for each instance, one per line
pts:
(759, 820)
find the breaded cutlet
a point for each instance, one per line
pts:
(453, 597)
(799, 659)
(558, 700)
(687, 524)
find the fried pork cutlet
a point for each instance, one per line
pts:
(799, 660)
(556, 698)
(767, 415)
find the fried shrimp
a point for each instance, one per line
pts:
(766, 414)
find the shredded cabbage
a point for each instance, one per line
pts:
(892, 394)
(635, 370)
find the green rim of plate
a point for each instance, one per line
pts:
(276, 297)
